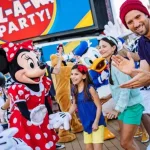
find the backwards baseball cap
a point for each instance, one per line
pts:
(129, 5)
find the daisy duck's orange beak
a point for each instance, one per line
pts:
(99, 64)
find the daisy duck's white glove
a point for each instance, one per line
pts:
(38, 114)
(60, 120)
(8, 142)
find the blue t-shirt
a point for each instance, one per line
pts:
(87, 111)
(144, 53)
(144, 49)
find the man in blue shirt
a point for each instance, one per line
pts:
(135, 17)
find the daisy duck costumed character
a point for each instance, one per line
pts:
(30, 110)
(99, 73)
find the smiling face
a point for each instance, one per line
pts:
(137, 22)
(60, 50)
(106, 50)
(77, 77)
(32, 70)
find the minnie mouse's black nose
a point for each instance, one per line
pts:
(42, 65)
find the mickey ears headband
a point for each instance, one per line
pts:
(12, 48)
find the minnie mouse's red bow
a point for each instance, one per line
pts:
(82, 68)
(12, 48)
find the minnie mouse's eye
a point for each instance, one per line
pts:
(31, 65)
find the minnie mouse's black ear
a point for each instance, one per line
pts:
(4, 68)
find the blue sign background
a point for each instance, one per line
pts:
(68, 14)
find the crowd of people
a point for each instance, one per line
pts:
(27, 93)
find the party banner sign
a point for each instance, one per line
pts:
(24, 19)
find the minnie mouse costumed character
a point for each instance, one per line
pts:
(28, 103)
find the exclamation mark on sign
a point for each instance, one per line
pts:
(48, 14)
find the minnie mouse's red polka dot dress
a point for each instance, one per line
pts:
(38, 137)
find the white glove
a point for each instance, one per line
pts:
(52, 117)
(38, 114)
(60, 120)
(65, 57)
(54, 122)
(2, 115)
(22, 145)
(6, 139)
(104, 75)
(7, 142)
(112, 30)
(68, 57)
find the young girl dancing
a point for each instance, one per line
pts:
(128, 107)
(86, 99)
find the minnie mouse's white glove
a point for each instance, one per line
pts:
(22, 145)
(38, 114)
(8, 142)
(60, 120)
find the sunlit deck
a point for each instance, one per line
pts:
(113, 144)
